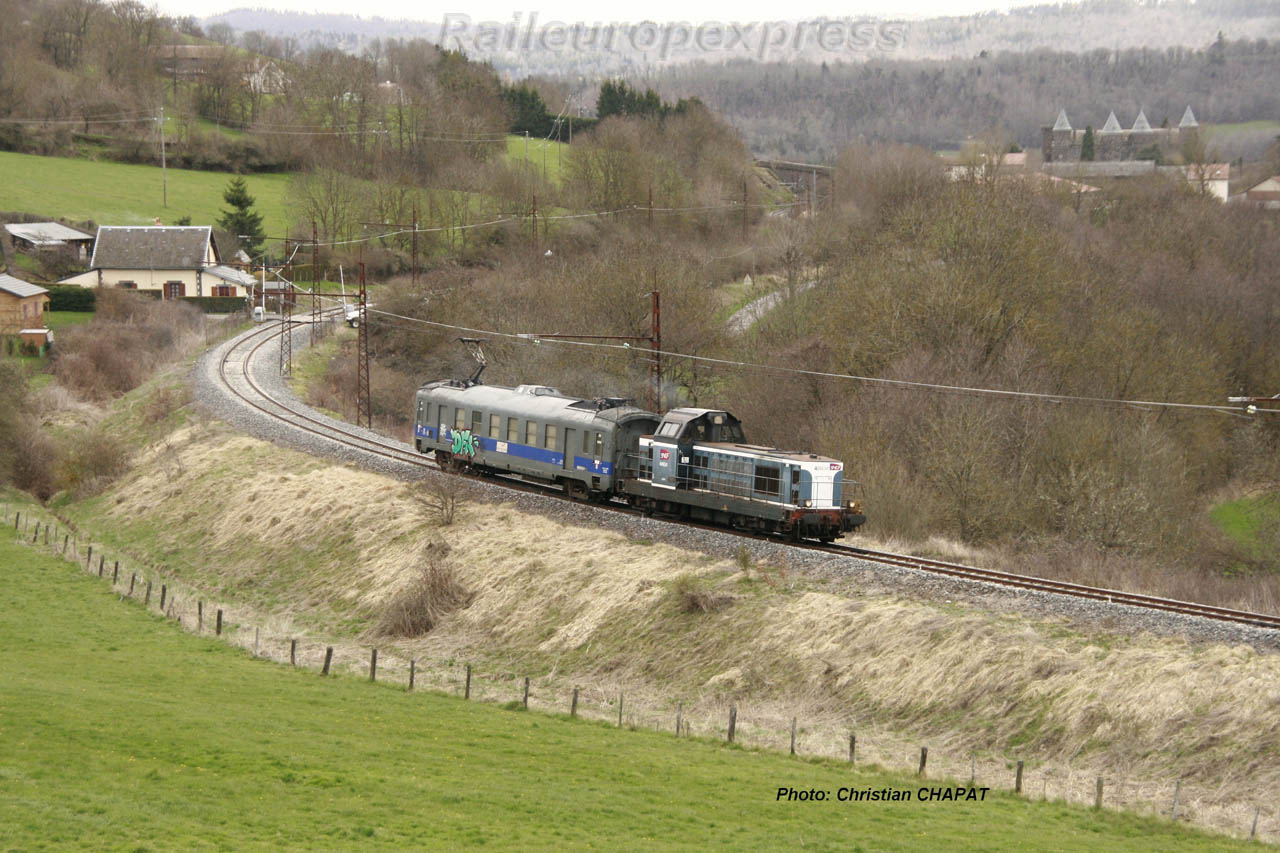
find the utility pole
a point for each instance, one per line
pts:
(535, 223)
(164, 171)
(364, 407)
(286, 335)
(655, 339)
(650, 205)
(744, 208)
(315, 284)
(414, 267)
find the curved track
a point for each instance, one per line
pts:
(253, 395)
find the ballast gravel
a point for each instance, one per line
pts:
(849, 576)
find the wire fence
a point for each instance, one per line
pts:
(703, 718)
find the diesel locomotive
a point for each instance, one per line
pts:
(688, 463)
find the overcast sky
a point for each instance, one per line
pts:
(572, 11)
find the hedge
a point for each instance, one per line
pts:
(69, 297)
(217, 304)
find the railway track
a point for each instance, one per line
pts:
(235, 372)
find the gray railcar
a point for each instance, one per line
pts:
(536, 432)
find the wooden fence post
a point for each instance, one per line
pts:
(293, 652)
(413, 666)
(16, 516)
(525, 701)
(65, 538)
(1097, 797)
(255, 642)
(35, 535)
(619, 709)
(1253, 830)
(102, 561)
(924, 756)
(164, 590)
(733, 721)
(793, 735)
(147, 602)
(1177, 789)
(1017, 780)
(115, 573)
(972, 767)
(328, 658)
(218, 630)
(373, 665)
(88, 559)
(133, 578)
(573, 704)
(679, 715)
(466, 691)
(853, 743)
(199, 616)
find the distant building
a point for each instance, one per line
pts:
(1064, 143)
(194, 61)
(1265, 194)
(23, 310)
(1210, 178)
(169, 261)
(35, 236)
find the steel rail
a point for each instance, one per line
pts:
(956, 570)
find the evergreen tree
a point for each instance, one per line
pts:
(241, 220)
(1086, 146)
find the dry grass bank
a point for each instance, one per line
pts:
(324, 548)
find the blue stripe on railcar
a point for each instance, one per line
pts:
(521, 451)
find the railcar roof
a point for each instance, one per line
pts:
(543, 405)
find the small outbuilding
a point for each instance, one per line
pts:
(37, 236)
(23, 306)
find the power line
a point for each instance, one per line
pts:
(849, 377)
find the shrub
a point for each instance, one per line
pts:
(696, 595)
(424, 601)
(91, 462)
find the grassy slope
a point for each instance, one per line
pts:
(122, 194)
(1244, 519)
(544, 155)
(121, 731)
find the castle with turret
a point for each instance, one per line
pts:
(1063, 144)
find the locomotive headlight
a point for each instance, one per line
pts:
(808, 504)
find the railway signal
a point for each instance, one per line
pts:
(1251, 403)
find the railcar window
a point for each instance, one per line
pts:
(599, 445)
(513, 430)
(477, 423)
(768, 479)
(531, 433)
(460, 418)
(549, 439)
(795, 476)
(495, 426)
(586, 442)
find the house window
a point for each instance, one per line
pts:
(174, 290)
(549, 438)
(223, 290)
(127, 285)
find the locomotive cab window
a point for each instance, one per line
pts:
(531, 433)
(768, 479)
(513, 430)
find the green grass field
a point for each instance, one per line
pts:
(546, 156)
(120, 731)
(122, 194)
(65, 319)
(1245, 519)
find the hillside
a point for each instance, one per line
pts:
(122, 194)
(573, 605)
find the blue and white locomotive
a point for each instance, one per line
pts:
(690, 463)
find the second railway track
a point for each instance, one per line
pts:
(236, 375)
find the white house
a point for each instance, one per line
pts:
(175, 261)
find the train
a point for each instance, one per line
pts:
(688, 463)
